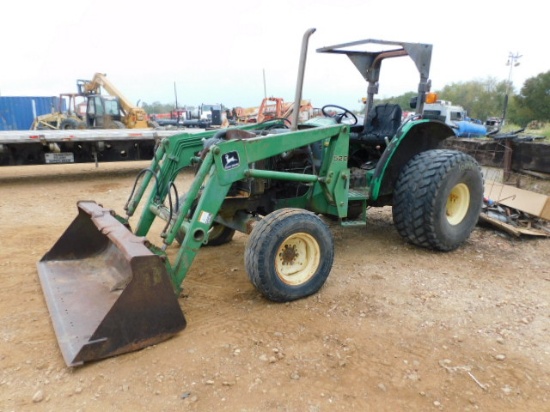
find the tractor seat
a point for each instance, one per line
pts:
(382, 121)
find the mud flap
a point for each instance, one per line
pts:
(107, 293)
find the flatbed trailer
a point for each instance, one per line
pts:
(35, 147)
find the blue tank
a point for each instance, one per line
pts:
(470, 129)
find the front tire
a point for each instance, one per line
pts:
(289, 254)
(438, 199)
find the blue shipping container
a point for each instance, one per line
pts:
(18, 112)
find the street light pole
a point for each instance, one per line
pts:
(512, 62)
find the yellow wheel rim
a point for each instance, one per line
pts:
(297, 259)
(458, 203)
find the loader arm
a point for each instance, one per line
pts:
(231, 161)
(172, 155)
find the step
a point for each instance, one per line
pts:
(358, 194)
(353, 223)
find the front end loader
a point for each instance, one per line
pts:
(110, 290)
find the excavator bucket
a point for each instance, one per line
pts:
(107, 293)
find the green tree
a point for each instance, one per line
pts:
(533, 102)
(403, 100)
(480, 98)
(518, 114)
(158, 107)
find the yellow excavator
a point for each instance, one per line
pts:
(112, 111)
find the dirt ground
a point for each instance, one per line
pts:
(394, 328)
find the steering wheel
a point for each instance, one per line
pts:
(344, 113)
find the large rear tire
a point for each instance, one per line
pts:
(289, 254)
(438, 198)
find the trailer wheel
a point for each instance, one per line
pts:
(438, 198)
(289, 254)
(68, 124)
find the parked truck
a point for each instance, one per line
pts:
(456, 117)
(111, 290)
(205, 116)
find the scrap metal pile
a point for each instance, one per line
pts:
(513, 221)
(517, 181)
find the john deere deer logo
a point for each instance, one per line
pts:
(230, 160)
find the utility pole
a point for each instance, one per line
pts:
(513, 61)
(265, 89)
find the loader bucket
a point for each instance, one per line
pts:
(107, 293)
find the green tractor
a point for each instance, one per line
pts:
(110, 290)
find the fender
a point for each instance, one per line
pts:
(412, 138)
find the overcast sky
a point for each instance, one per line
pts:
(218, 51)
